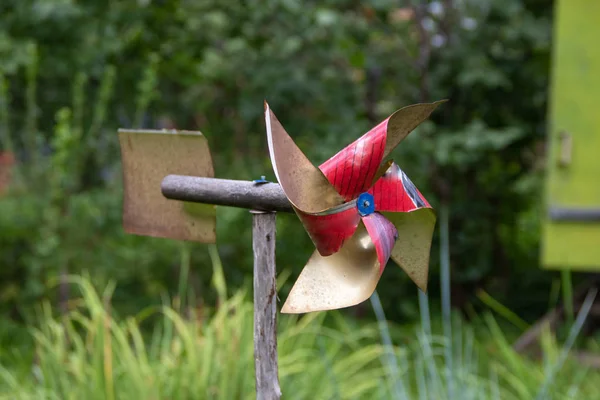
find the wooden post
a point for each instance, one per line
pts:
(265, 306)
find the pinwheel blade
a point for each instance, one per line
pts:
(411, 251)
(404, 121)
(330, 230)
(304, 184)
(351, 170)
(394, 191)
(383, 234)
(343, 279)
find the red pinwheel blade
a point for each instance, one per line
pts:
(330, 230)
(394, 191)
(383, 234)
(351, 171)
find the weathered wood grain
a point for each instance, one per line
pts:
(265, 306)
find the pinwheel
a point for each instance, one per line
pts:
(358, 210)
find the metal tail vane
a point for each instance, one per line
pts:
(358, 210)
(150, 155)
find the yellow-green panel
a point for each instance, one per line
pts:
(573, 174)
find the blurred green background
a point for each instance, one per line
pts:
(72, 72)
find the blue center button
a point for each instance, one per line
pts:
(365, 204)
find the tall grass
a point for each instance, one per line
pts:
(92, 354)
(159, 354)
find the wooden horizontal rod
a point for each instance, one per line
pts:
(226, 192)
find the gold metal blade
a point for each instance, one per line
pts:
(411, 251)
(343, 279)
(404, 121)
(147, 157)
(304, 184)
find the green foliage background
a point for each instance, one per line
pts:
(72, 72)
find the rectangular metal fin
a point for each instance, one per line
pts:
(147, 157)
